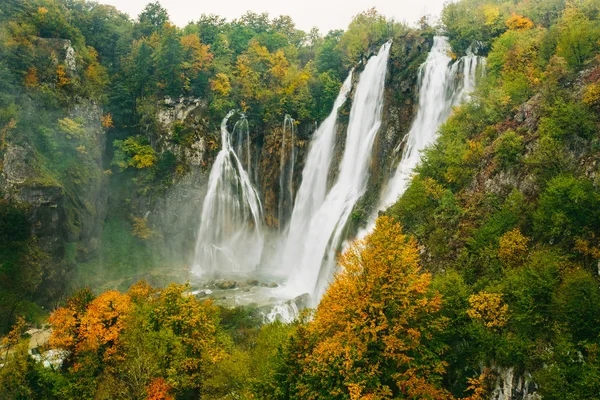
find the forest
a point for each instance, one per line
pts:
(480, 281)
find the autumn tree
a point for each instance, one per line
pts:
(374, 333)
(91, 326)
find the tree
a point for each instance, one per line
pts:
(578, 37)
(374, 334)
(168, 58)
(152, 19)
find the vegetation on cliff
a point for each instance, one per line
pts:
(488, 262)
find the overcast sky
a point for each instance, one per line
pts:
(324, 14)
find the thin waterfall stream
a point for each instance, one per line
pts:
(230, 238)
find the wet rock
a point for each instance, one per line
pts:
(302, 301)
(252, 282)
(273, 285)
(225, 285)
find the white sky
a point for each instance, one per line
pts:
(324, 14)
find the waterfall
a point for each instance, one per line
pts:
(441, 87)
(312, 270)
(286, 171)
(229, 237)
(242, 143)
(313, 188)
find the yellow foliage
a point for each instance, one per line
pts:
(71, 128)
(220, 84)
(198, 53)
(591, 96)
(141, 228)
(81, 149)
(513, 247)
(517, 22)
(31, 79)
(194, 322)
(587, 248)
(279, 65)
(480, 386)
(61, 76)
(488, 309)
(491, 14)
(13, 337)
(141, 292)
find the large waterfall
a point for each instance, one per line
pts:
(286, 171)
(229, 239)
(441, 86)
(313, 268)
(313, 188)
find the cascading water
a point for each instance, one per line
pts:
(242, 143)
(229, 238)
(313, 188)
(441, 88)
(286, 172)
(311, 272)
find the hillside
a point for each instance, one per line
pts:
(173, 199)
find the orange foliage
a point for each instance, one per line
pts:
(101, 325)
(95, 328)
(31, 79)
(517, 22)
(378, 311)
(64, 328)
(488, 309)
(513, 248)
(107, 121)
(158, 389)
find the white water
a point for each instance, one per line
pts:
(313, 188)
(286, 171)
(312, 270)
(442, 86)
(242, 143)
(229, 238)
(284, 311)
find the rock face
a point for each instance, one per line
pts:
(511, 386)
(67, 208)
(22, 182)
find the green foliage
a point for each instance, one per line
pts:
(567, 208)
(567, 120)
(134, 152)
(578, 36)
(509, 148)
